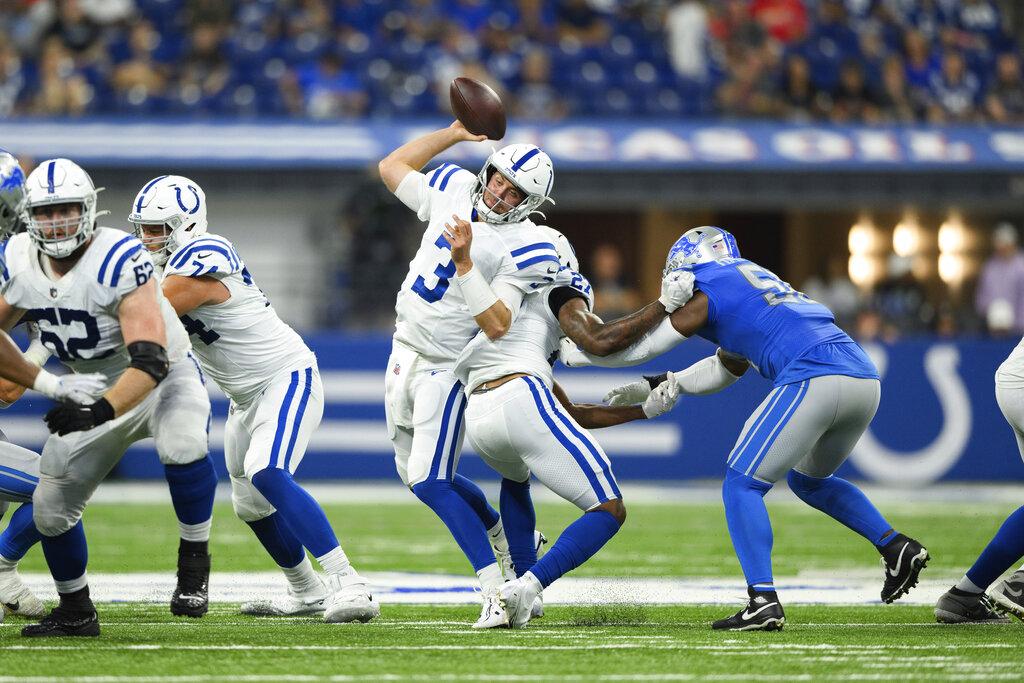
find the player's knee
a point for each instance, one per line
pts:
(182, 449)
(51, 522)
(616, 508)
(801, 484)
(738, 484)
(248, 503)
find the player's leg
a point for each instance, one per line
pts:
(180, 423)
(19, 474)
(287, 414)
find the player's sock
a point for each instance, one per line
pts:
(461, 520)
(519, 519)
(299, 510)
(334, 561)
(749, 526)
(20, 534)
(1002, 551)
(302, 576)
(192, 489)
(490, 578)
(966, 587)
(497, 535)
(843, 502)
(576, 545)
(278, 539)
(474, 496)
(67, 554)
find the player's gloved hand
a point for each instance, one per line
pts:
(571, 355)
(661, 400)
(79, 388)
(69, 417)
(635, 392)
(676, 289)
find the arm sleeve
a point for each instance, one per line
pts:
(510, 295)
(410, 191)
(656, 342)
(706, 376)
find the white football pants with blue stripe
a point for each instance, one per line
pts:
(810, 426)
(519, 428)
(19, 474)
(273, 431)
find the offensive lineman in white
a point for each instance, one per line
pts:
(92, 293)
(517, 426)
(277, 401)
(439, 310)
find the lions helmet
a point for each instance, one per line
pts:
(566, 254)
(526, 167)
(701, 245)
(60, 181)
(176, 203)
(12, 194)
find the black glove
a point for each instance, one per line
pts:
(655, 380)
(74, 417)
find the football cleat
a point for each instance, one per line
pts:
(192, 594)
(518, 597)
(16, 598)
(493, 614)
(763, 612)
(962, 609)
(62, 622)
(349, 599)
(537, 611)
(1008, 595)
(903, 558)
(508, 569)
(306, 603)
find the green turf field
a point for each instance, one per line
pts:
(142, 641)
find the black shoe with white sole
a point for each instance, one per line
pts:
(762, 613)
(903, 558)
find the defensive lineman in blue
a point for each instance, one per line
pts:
(277, 399)
(826, 392)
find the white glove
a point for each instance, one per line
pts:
(628, 394)
(661, 400)
(70, 387)
(571, 355)
(676, 289)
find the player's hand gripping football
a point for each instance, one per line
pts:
(676, 289)
(69, 417)
(465, 135)
(639, 391)
(460, 237)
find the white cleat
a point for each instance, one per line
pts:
(504, 558)
(538, 607)
(493, 614)
(518, 598)
(16, 598)
(350, 599)
(308, 603)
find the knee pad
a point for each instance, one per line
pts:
(737, 483)
(51, 521)
(801, 484)
(181, 448)
(248, 502)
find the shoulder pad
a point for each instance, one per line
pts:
(204, 256)
(441, 177)
(121, 253)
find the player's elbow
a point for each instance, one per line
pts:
(597, 346)
(496, 330)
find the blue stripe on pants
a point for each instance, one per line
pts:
(456, 403)
(775, 420)
(282, 419)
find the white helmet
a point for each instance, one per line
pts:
(175, 202)
(701, 245)
(566, 254)
(526, 167)
(12, 194)
(60, 181)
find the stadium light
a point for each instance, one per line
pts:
(952, 268)
(952, 236)
(906, 237)
(863, 238)
(864, 270)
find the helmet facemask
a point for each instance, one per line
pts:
(174, 202)
(526, 168)
(53, 183)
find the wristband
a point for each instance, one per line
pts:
(476, 291)
(46, 384)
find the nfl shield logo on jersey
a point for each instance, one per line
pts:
(53, 292)
(397, 369)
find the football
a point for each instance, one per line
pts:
(478, 107)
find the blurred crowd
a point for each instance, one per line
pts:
(799, 60)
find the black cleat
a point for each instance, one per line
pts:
(762, 613)
(62, 622)
(957, 607)
(192, 594)
(903, 558)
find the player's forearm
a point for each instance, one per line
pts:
(130, 390)
(601, 338)
(495, 321)
(593, 416)
(414, 155)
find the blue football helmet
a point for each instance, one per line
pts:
(12, 194)
(701, 245)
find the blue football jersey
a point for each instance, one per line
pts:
(788, 336)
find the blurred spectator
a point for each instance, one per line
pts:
(747, 91)
(732, 24)
(686, 36)
(999, 299)
(852, 99)
(105, 12)
(920, 63)
(613, 297)
(955, 91)
(76, 30)
(799, 98)
(836, 292)
(141, 70)
(536, 97)
(325, 90)
(578, 22)
(784, 20)
(204, 71)
(535, 20)
(980, 20)
(1004, 100)
(62, 90)
(896, 101)
(12, 78)
(900, 300)
(830, 43)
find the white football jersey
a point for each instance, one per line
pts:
(1011, 372)
(242, 344)
(78, 314)
(530, 345)
(433, 318)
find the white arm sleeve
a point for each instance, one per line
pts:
(656, 342)
(706, 376)
(510, 295)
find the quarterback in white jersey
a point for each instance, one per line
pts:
(92, 293)
(439, 310)
(518, 427)
(277, 400)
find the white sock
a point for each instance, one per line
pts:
(7, 565)
(968, 586)
(497, 535)
(334, 562)
(72, 585)
(490, 578)
(195, 532)
(301, 577)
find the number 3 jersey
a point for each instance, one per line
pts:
(242, 344)
(78, 314)
(433, 318)
(530, 345)
(785, 334)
